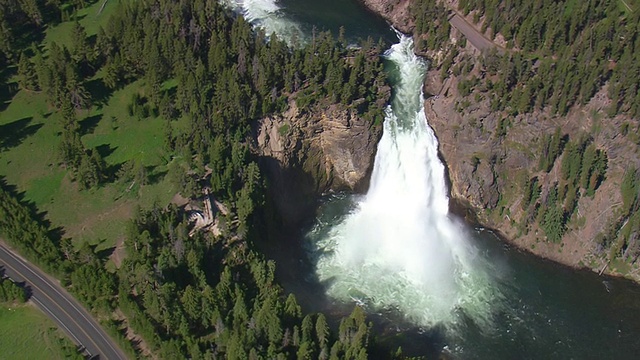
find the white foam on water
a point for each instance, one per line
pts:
(399, 248)
(268, 16)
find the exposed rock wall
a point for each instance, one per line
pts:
(487, 171)
(396, 12)
(488, 162)
(309, 153)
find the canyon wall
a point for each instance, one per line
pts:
(306, 154)
(492, 156)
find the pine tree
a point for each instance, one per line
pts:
(26, 73)
(79, 46)
(32, 10)
(71, 149)
(87, 173)
(322, 330)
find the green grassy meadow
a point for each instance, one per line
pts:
(30, 135)
(26, 333)
(88, 17)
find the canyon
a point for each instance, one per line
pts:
(489, 162)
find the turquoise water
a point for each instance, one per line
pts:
(546, 311)
(399, 248)
(330, 15)
(464, 292)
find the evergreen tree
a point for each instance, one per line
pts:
(27, 77)
(87, 173)
(80, 50)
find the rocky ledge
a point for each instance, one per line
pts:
(490, 161)
(396, 12)
(306, 154)
(488, 167)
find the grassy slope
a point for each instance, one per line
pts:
(29, 138)
(88, 17)
(97, 215)
(26, 333)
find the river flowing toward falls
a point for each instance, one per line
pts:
(398, 248)
(268, 16)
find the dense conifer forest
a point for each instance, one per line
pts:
(564, 52)
(552, 57)
(210, 77)
(558, 53)
(203, 295)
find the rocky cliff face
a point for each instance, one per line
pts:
(309, 153)
(489, 163)
(489, 160)
(396, 12)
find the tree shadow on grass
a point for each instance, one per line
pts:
(112, 170)
(55, 234)
(88, 125)
(100, 93)
(155, 175)
(105, 150)
(103, 254)
(7, 90)
(14, 133)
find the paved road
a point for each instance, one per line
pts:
(54, 301)
(476, 38)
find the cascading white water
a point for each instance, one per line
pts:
(268, 16)
(399, 248)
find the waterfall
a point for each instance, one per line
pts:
(399, 248)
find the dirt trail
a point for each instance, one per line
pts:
(474, 36)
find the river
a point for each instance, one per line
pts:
(434, 284)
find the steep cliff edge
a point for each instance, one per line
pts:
(490, 164)
(501, 171)
(306, 154)
(396, 12)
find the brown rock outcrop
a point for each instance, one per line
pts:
(308, 153)
(396, 12)
(487, 171)
(488, 160)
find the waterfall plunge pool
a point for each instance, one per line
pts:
(432, 283)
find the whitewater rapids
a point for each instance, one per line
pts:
(399, 248)
(268, 16)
